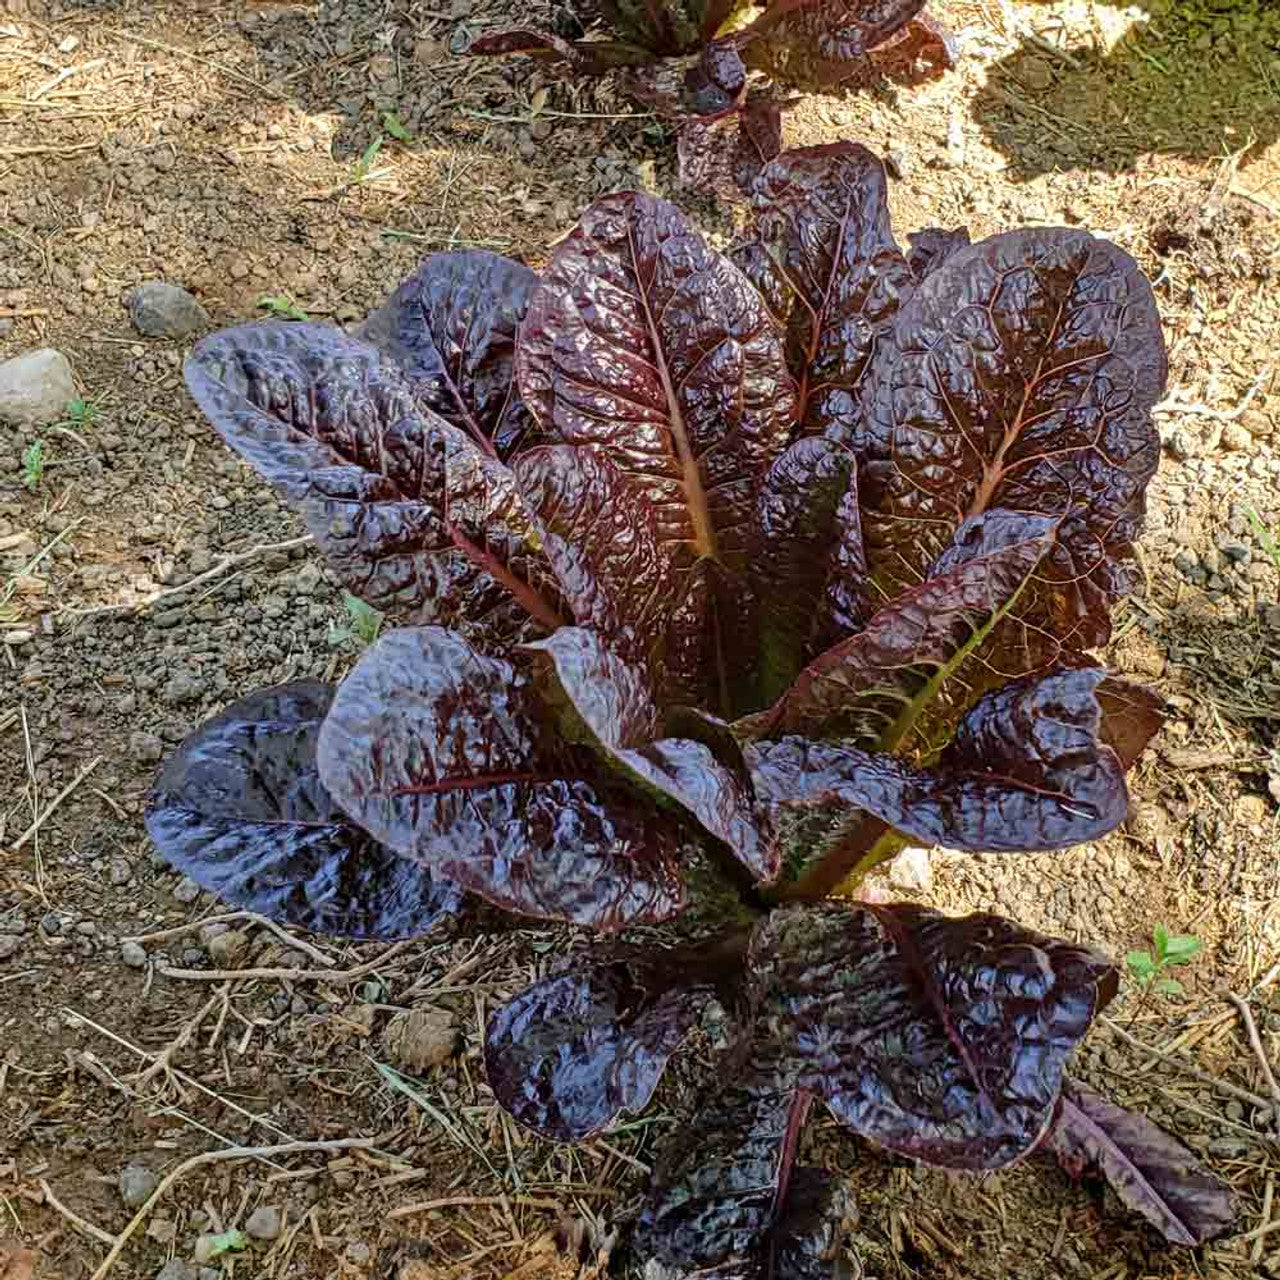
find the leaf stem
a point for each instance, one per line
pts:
(864, 842)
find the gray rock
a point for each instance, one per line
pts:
(177, 1269)
(133, 954)
(163, 310)
(183, 686)
(119, 871)
(421, 1038)
(228, 950)
(208, 1246)
(187, 891)
(137, 1182)
(1235, 438)
(911, 870)
(146, 747)
(9, 944)
(359, 1253)
(264, 1222)
(35, 388)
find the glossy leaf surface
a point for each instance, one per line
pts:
(410, 514)
(1027, 770)
(815, 45)
(725, 154)
(451, 329)
(1020, 374)
(615, 702)
(1151, 1171)
(875, 686)
(572, 1052)
(444, 754)
(943, 1039)
(830, 267)
(241, 809)
(715, 1193)
(644, 343)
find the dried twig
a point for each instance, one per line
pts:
(450, 1202)
(227, 562)
(47, 811)
(74, 1218)
(163, 1060)
(1255, 1043)
(232, 917)
(1268, 1197)
(1224, 1086)
(213, 1157)
(285, 975)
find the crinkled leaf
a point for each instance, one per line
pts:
(805, 1243)
(931, 247)
(572, 1052)
(582, 57)
(815, 45)
(1020, 374)
(726, 154)
(451, 329)
(241, 809)
(412, 516)
(715, 1193)
(644, 343)
(826, 260)
(445, 754)
(709, 83)
(615, 702)
(875, 686)
(1151, 1171)
(806, 566)
(600, 533)
(1131, 716)
(922, 50)
(943, 1039)
(1027, 770)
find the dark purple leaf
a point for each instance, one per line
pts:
(1151, 1172)
(1131, 716)
(815, 45)
(1026, 771)
(725, 154)
(451, 329)
(240, 808)
(645, 344)
(1020, 374)
(806, 567)
(717, 1189)
(615, 702)
(943, 1039)
(876, 686)
(445, 755)
(931, 247)
(805, 1243)
(710, 83)
(600, 533)
(412, 516)
(570, 1053)
(922, 50)
(582, 57)
(828, 264)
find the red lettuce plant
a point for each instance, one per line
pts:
(691, 61)
(722, 576)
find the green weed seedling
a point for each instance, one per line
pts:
(1265, 536)
(33, 465)
(363, 170)
(396, 127)
(82, 412)
(1149, 968)
(365, 622)
(283, 306)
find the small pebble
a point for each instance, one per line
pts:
(264, 1222)
(137, 1182)
(187, 891)
(133, 954)
(9, 944)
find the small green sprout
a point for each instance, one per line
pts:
(1265, 536)
(82, 412)
(33, 465)
(362, 171)
(282, 305)
(1149, 967)
(396, 127)
(362, 629)
(228, 1242)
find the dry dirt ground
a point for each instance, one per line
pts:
(219, 146)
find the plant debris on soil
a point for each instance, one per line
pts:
(187, 1091)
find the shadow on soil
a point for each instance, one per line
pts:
(1198, 79)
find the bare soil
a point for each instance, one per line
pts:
(219, 146)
